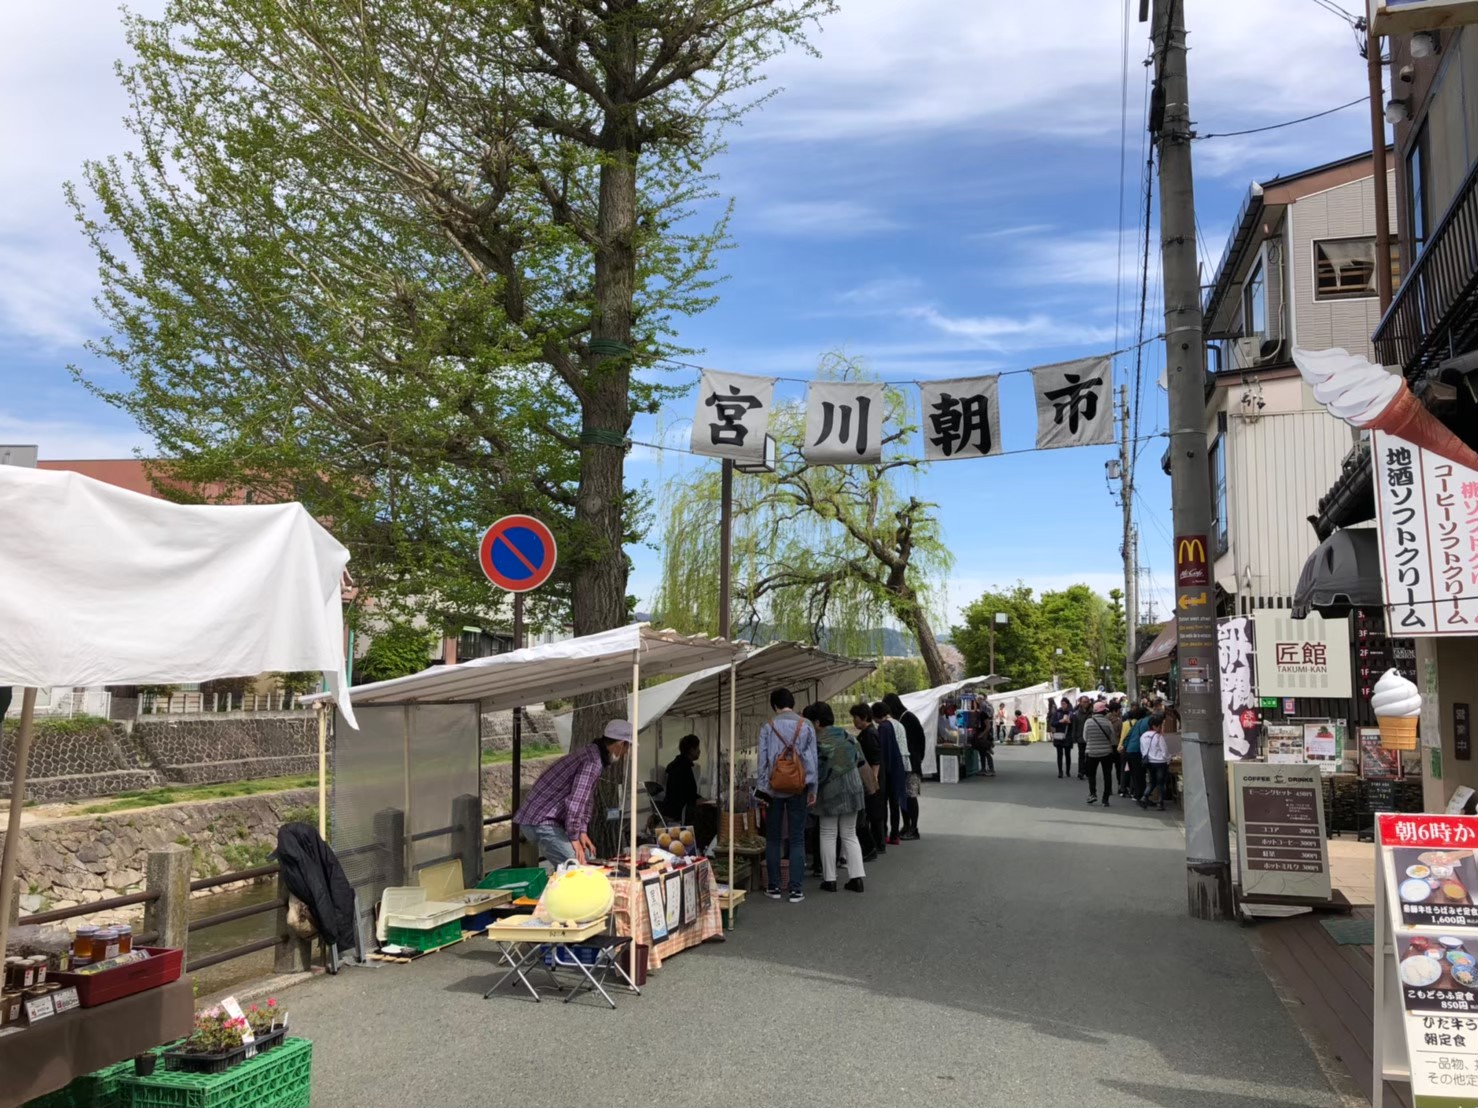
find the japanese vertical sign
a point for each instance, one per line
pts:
(844, 423)
(1428, 512)
(1427, 976)
(962, 419)
(1302, 657)
(1072, 403)
(1234, 663)
(733, 415)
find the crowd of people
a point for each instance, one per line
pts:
(861, 789)
(1124, 746)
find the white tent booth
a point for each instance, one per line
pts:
(925, 704)
(407, 786)
(700, 704)
(103, 586)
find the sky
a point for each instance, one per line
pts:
(938, 194)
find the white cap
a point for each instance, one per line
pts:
(618, 730)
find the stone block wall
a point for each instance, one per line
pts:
(497, 729)
(241, 769)
(63, 747)
(228, 738)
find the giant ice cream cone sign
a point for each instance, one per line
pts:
(1371, 397)
(1397, 704)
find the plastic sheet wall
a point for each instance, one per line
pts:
(409, 759)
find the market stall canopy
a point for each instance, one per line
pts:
(1156, 659)
(1343, 574)
(559, 669)
(790, 664)
(103, 586)
(925, 705)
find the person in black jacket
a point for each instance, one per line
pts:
(680, 795)
(1075, 733)
(875, 811)
(913, 732)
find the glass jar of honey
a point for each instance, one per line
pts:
(82, 944)
(125, 939)
(105, 944)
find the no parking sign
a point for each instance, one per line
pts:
(518, 553)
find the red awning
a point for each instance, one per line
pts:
(1160, 653)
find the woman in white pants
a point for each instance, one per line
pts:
(840, 795)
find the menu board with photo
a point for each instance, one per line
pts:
(1321, 745)
(1378, 763)
(1285, 744)
(1428, 939)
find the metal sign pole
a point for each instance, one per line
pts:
(516, 767)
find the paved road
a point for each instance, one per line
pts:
(1030, 950)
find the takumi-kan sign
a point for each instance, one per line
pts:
(1301, 657)
(1404, 17)
(1428, 514)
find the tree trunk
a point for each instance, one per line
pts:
(905, 604)
(599, 584)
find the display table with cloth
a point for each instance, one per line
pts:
(634, 919)
(38, 1060)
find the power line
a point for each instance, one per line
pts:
(1334, 9)
(1289, 123)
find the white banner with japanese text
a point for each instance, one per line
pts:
(1073, 403)
(1428, 515)
(733, 415)
(844, 423)
(962, 418)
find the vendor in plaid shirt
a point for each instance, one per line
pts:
(555, 816)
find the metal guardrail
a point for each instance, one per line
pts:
(1435, 311)
(112, 904)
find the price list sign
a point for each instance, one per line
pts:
(1280, 831)
(1430, 953)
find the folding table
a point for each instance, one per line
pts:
(522, 941)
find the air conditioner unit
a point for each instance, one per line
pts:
(1246, 351)
(1268, 349)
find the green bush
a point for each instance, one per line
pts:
(398, 651)
(248, 855)
(73, 725)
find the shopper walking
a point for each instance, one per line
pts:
(895, 771)
(1101, 742)
(785, 788)
(840, 796)
(914, 741)
(984, 739)
(1139, 721)
(1075, 723)
(1156, 761)
(875, 808)
(1059, 719)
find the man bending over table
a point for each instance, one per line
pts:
(555, 816)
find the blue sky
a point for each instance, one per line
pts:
(937, 194)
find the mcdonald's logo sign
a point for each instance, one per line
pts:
(1192, 570)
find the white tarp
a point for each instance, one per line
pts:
(103, 586)
(925, 705)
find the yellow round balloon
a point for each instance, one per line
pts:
(578, 894)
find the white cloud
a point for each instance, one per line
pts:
(59, 438)
(823, 219)
(1013, 333)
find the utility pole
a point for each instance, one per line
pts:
(1208, 857)
(1131, 561)
(726, 548)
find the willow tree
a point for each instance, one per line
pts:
(400, 260)
(821, 553)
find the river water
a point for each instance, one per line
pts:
(227, 975)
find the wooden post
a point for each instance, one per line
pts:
(9, 888)
(168, 873)
(467, 819)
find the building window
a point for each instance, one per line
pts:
(1417, 177)
(1217, 457)
(1344, 269)
(1256, 308)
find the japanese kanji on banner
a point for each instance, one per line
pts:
(733, 415)
(1428, 514)
(962, 418)
(1073, 406)
(844, 423)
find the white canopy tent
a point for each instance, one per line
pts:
(925, 705)
(534, 674)
(103, 586)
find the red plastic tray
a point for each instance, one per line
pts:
(161, 967)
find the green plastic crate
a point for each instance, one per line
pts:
(428, 938)
(527, 882)
(280, 1078)
(98, 1089)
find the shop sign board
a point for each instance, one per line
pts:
(1427, 511)
(1192, 568)
(1301, 657)
(1378, 763)
(1285, 744)
(1462, 735)
(1281, 848)
(1426, 986)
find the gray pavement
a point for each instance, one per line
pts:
(1030, 950)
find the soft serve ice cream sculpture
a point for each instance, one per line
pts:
(1367, 396)
(1396, 703)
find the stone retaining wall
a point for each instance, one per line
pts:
(241, 769)
(63, 748)
(89, 786)
(194, 741)
(497, 729)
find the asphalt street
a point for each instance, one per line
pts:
(1029, 950)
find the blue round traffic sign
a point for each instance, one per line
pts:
(518, 553)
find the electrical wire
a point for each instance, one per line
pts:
(1334, 9)
(1280, 126)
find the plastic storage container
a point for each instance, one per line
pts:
(160, 968)
(527, 882)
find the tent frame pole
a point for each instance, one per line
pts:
(635, 747)
(733, 730)
(17, 804)
(323, 772)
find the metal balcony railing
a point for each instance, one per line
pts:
(1435, 312)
